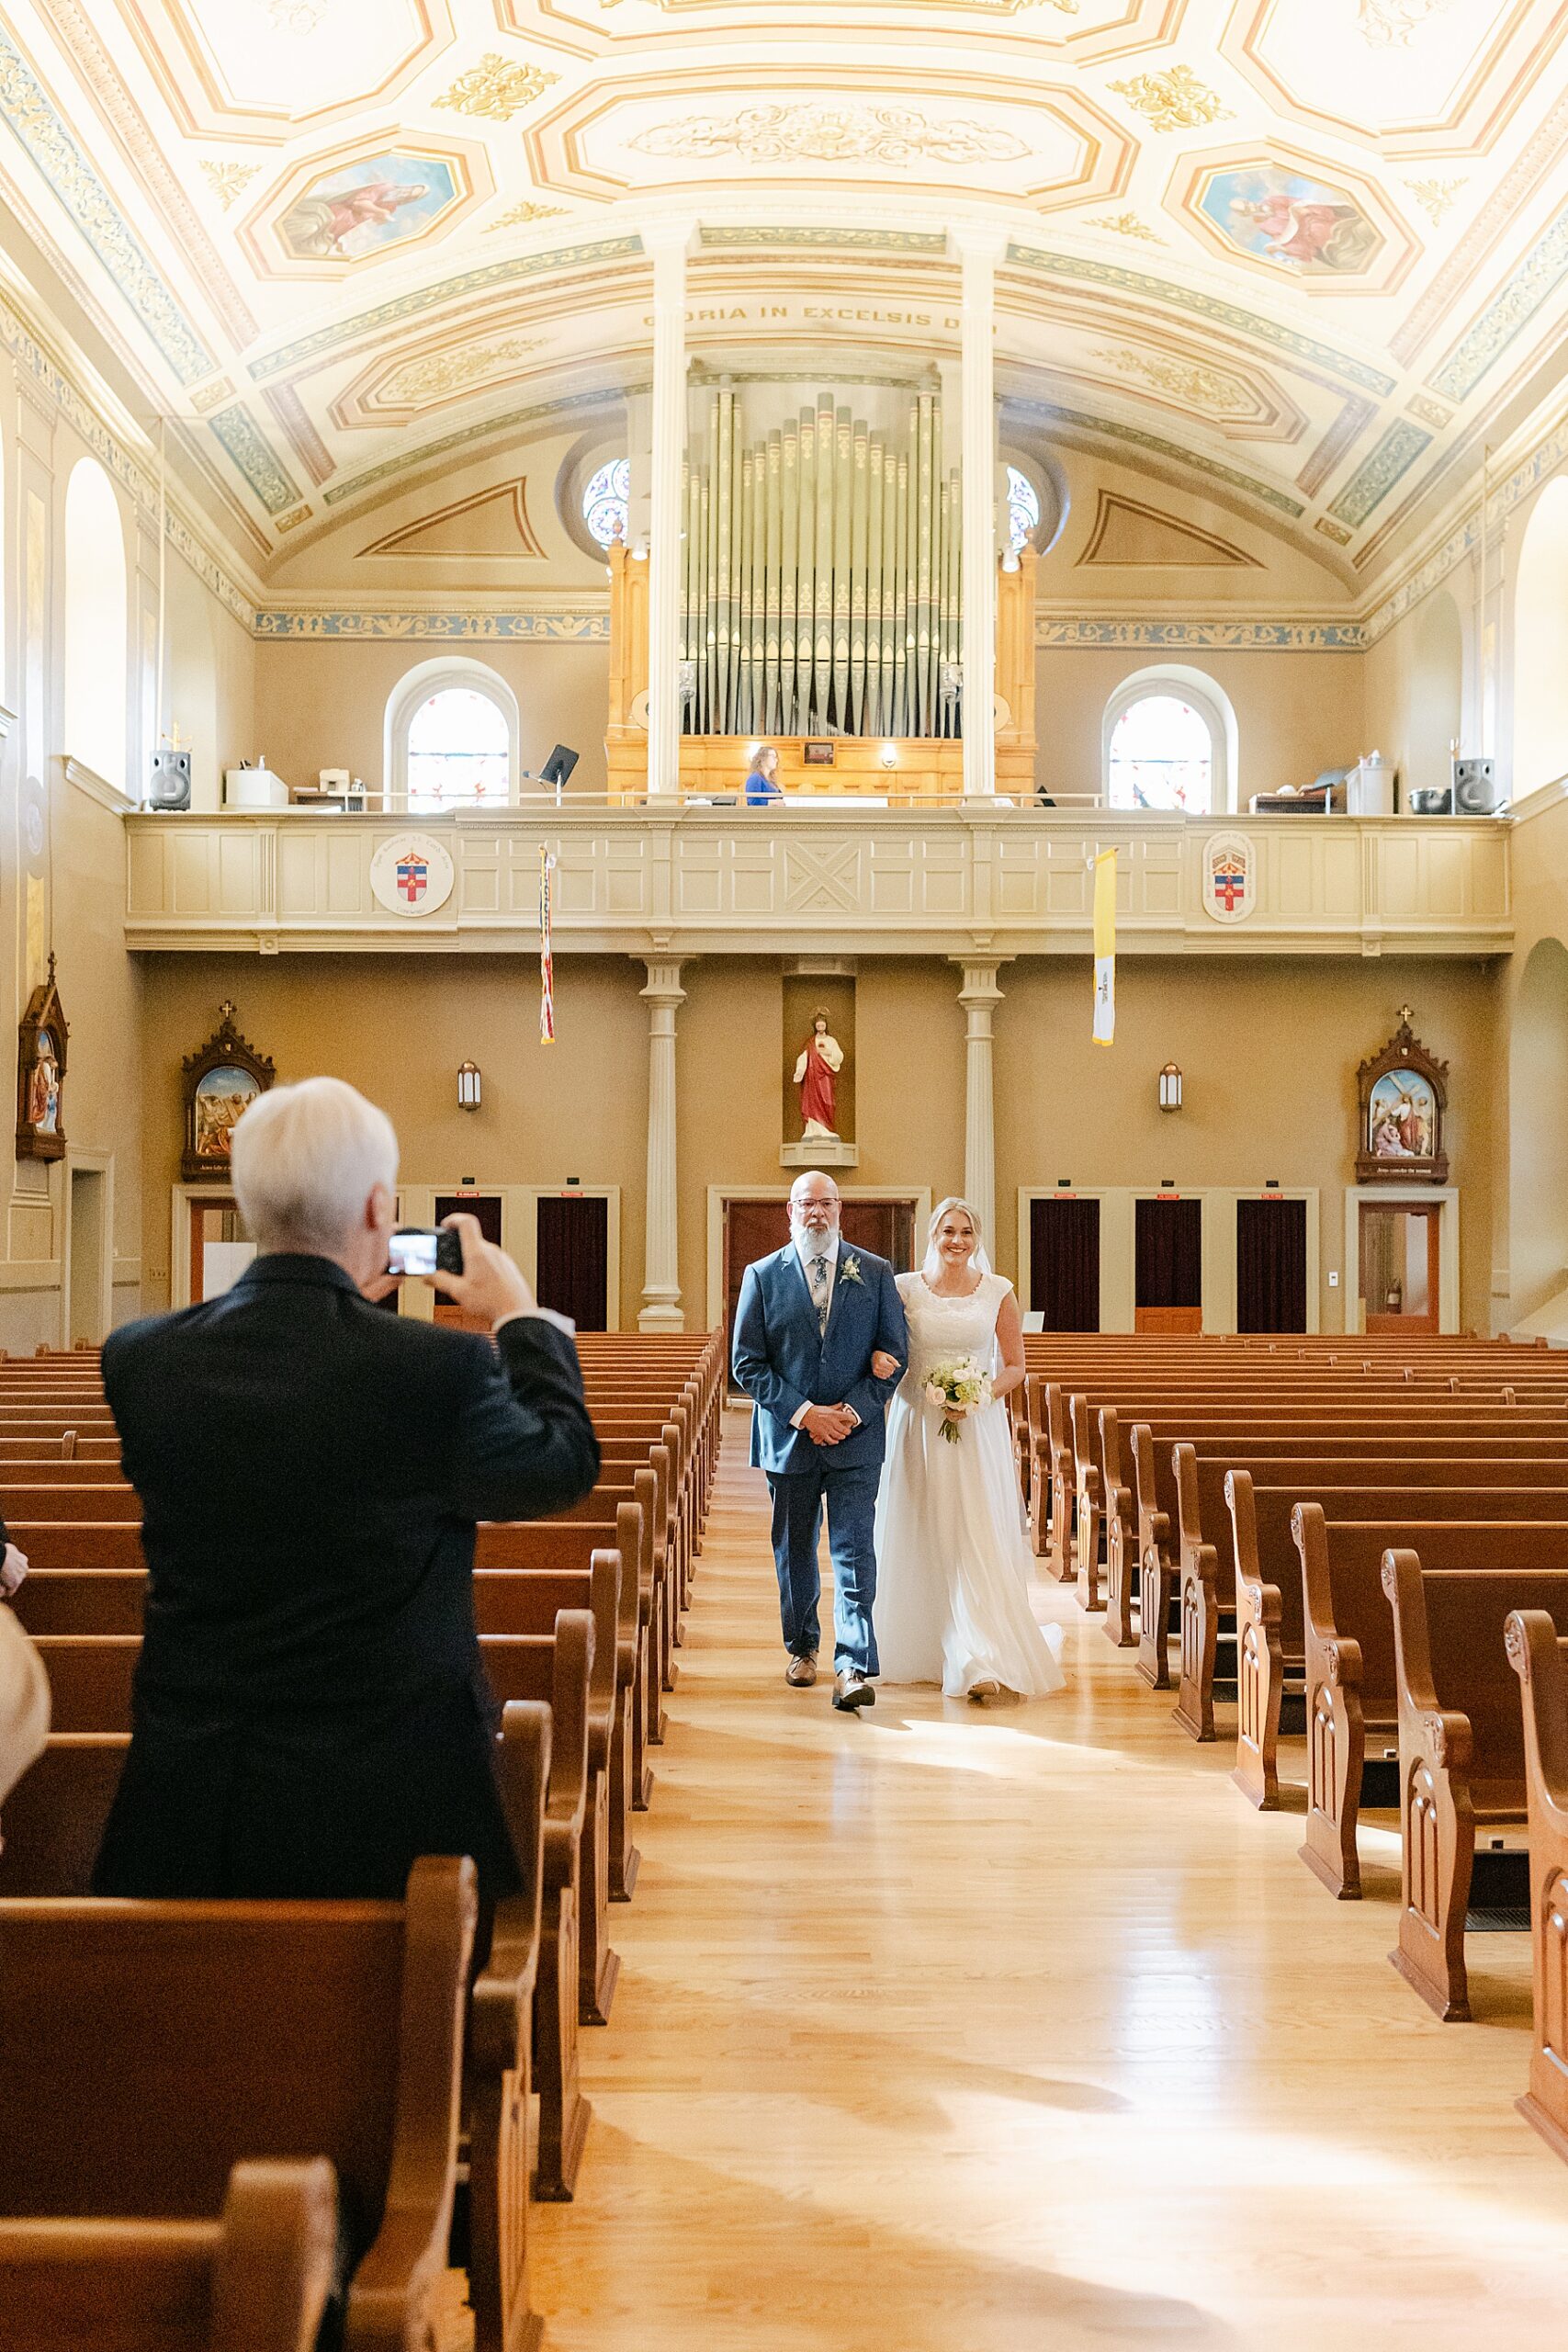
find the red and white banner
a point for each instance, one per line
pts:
(547, 956)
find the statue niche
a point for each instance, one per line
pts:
(817, 1092)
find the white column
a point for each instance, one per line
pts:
(661, 1257)
(979, 250)
(980, 996)
(666, 242)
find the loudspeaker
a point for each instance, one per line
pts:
(168, 785)
(1475, 788)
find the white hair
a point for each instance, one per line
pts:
(304, 1161)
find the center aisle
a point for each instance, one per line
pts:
(987, 2031)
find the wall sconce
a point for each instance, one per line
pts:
(890, 755)
(467, 1086)
(1171, 1088)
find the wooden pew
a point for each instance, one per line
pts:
(1540, 1658)
(147, 2048)
(256, 2280)
(1485, 1487)
(1461, 1751)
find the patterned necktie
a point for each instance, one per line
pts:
(820, 1294)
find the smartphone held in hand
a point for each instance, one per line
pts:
(424, 1249)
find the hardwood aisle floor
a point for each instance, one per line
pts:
(988, 2031)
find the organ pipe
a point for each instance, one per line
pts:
(820, 585)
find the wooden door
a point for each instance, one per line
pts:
(573, 1258)
(1399, 1279)
(755, 1228)
(1169, 1265)
(1064, 1263)
(1270, 1265)
(486, 1207)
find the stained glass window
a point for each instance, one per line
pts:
(1162, 756)
(604, 501)
(458, 751)
(1023, 507)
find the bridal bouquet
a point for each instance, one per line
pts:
(961, 1388)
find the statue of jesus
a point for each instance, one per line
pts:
(822, 1059)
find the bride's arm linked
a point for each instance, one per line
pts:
(1010, 1346)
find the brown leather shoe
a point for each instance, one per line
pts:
(801, 1673)
(851, 1692)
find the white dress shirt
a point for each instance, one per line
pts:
(826, 1246)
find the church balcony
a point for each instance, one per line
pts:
(978, 878)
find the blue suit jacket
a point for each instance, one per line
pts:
(781, 1362)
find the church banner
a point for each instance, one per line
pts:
(1105, 947)
(547, 951)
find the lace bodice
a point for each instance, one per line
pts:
(943, 1328)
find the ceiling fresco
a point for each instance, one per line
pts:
(1301, 255)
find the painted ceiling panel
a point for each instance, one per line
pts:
(1297, 255)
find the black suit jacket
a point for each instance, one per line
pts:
(309, 1696)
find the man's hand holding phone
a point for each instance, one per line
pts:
(490, 1284)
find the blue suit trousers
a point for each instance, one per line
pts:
(849, 1497)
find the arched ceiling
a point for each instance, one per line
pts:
(1302, 256)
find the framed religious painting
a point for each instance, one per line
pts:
(40, 1074)
(223, 1079)
(1403, 1102)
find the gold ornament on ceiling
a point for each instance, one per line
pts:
(841, 134)
(298, 16)
(1431, 412)
(1435, 197)
(1389, 24)
(229, 181)
(439, 373)
(527, 211)
(497, 88)
(1175, 100)
(1338, 531)
(1125, 224)
(1185, 380)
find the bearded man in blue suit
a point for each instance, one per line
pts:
(820, 1343)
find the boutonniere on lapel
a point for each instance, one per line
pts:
(849, 1270)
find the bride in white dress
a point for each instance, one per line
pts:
(953, 1562)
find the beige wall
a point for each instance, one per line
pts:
(1268, 1050)
(1296, 713)
(323, 704)
(1415, 692)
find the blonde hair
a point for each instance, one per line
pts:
(954, 1203)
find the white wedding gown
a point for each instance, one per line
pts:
(952, 1556)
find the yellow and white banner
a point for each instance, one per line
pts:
(1105, 947)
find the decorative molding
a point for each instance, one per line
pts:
(8, 721)
(805, 132)
(1538, 276)
(1189, 460)
(1462, 541)
(1199, 305)
(1505, 205)
(488, 628)
(813, 239)
(403, 540)
(570, 404)
(55, 152)
(496, 87)
(1381, 467)
(1112, 631)
(1174, 100)
(1336, 443)
(236, 429)
(470, 283)
(96, 787)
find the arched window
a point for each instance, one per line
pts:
(604, 501)
(1023, 509)
(1169, 743)
(96, 607)
(451, 739)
